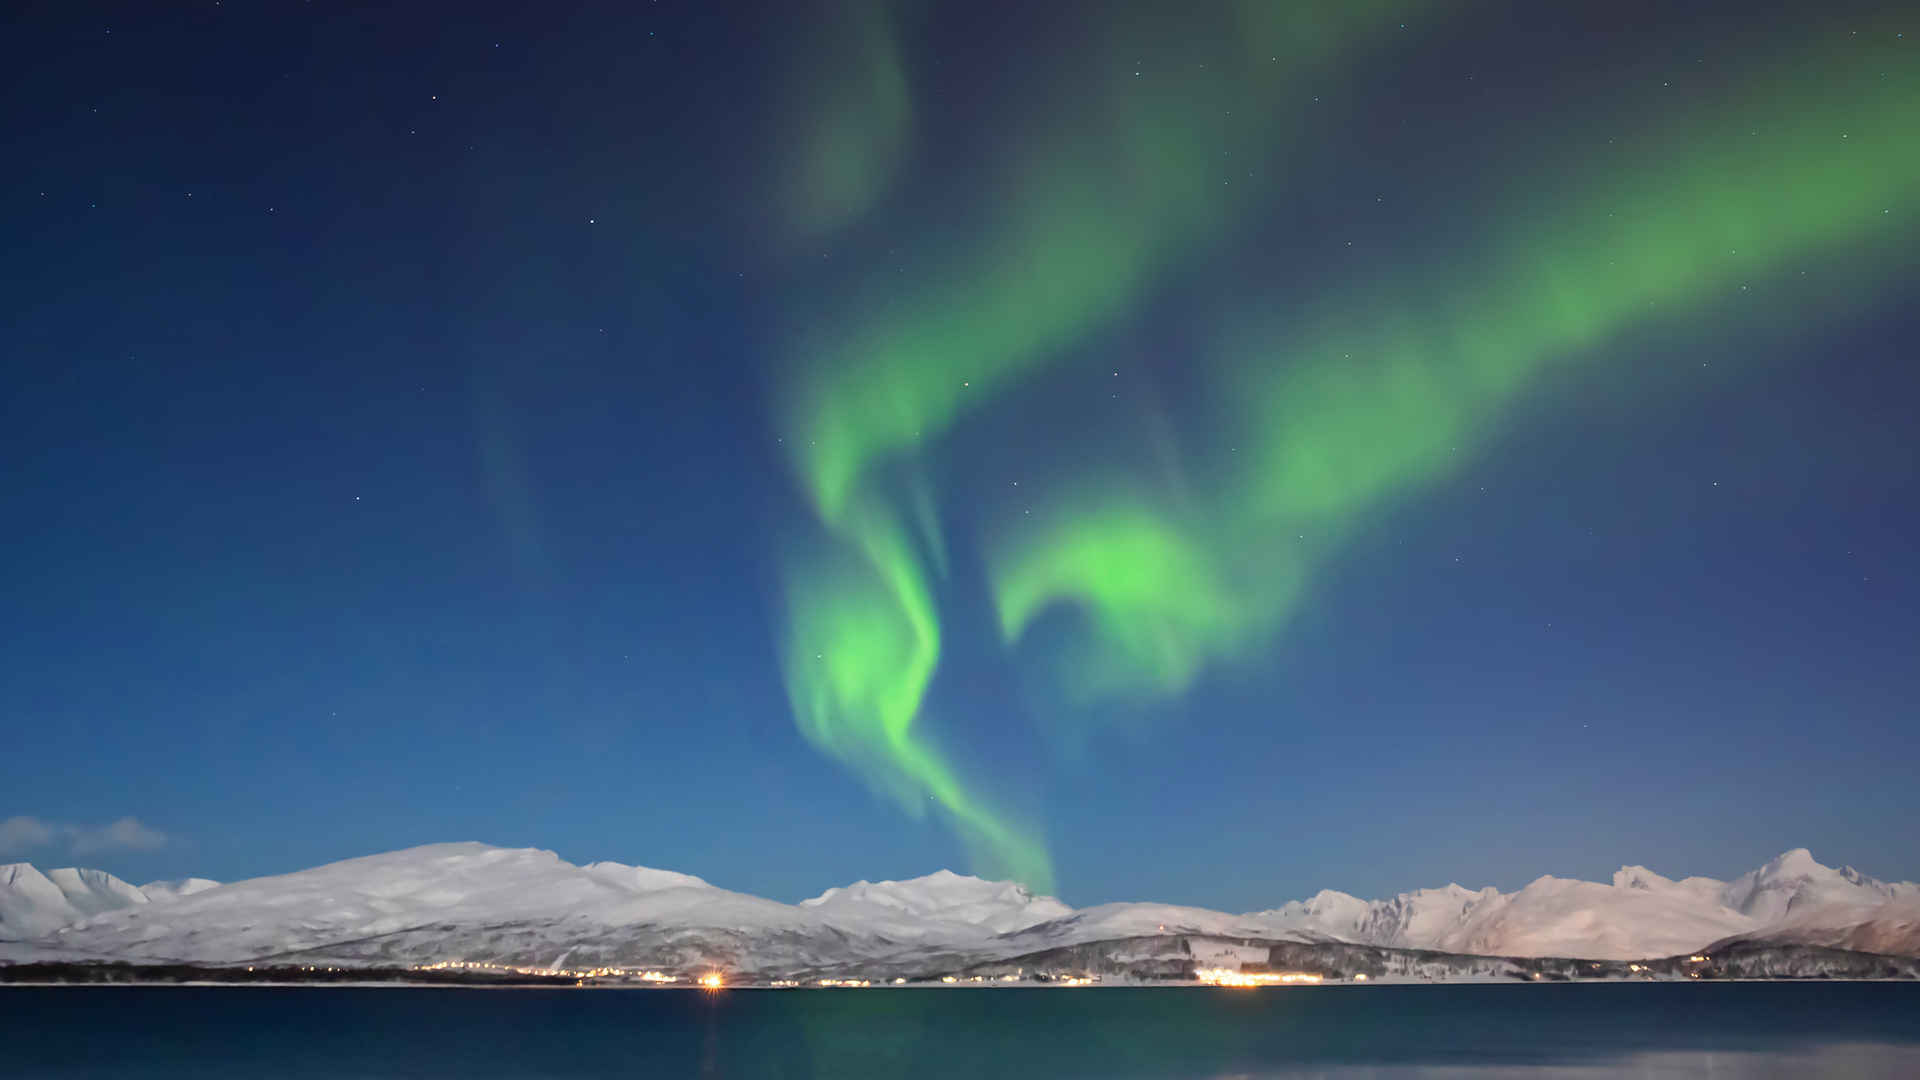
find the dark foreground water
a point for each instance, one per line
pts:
(1639, 1030)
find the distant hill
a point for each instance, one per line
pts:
(529, 909)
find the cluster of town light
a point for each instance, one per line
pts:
(646, 975)
(715, 980)
(1229, 977)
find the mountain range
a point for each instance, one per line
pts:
(528, 908)
(33, 903)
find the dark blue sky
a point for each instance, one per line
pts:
(391, 458)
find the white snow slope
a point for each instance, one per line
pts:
(1640, 914)
(529, 908)
(33, 903)
(941, 897)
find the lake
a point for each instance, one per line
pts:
(1574, 1030)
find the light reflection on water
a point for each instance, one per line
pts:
(1734, 1031)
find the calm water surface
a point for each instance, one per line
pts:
(1640, 1030)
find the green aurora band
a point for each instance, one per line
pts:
(1078, 236)
(1335, 409)
(1370, 396)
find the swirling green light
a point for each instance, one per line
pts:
(1377, 392)
(1119, 178)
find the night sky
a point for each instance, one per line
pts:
(1203, 452)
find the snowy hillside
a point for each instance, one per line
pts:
(1892, 928)
(33, 904)
(1562, 917)
(528, 908)
(30, 903)
(1108, 921)
(1793, 884)
(941, 897)
(1639, 914)
(474, 897)
(1417, 919)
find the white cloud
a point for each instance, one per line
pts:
(127, 833)
(22, 833)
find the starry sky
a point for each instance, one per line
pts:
(1195, 452)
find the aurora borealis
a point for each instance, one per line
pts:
(1339, 397)
(1096, 444)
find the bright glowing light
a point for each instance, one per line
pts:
(712, 980)
(1228, 977)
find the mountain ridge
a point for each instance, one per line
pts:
(526, 906)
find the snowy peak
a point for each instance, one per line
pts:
(1793, 883)
(463, 900)
(34, 903)
(644, 878)
(997, 906)
(935, 889)
(1639, 914)
(1697, 889)
(1413, 919)
(30, 904)
(1639, 877)
(528, 907)
(1104, 922)
(94, 891)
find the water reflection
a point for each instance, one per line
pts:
(1734, 1031)
(1856, 1061)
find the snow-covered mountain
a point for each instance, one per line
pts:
(1105, 922)
(1639, 914)
(1563, 917)
(1797, 901)
(1415, 920)
(1793, 883)
(943, 896)
(1892, 929)
(33, 903)
(526, 907)
(529, 908)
